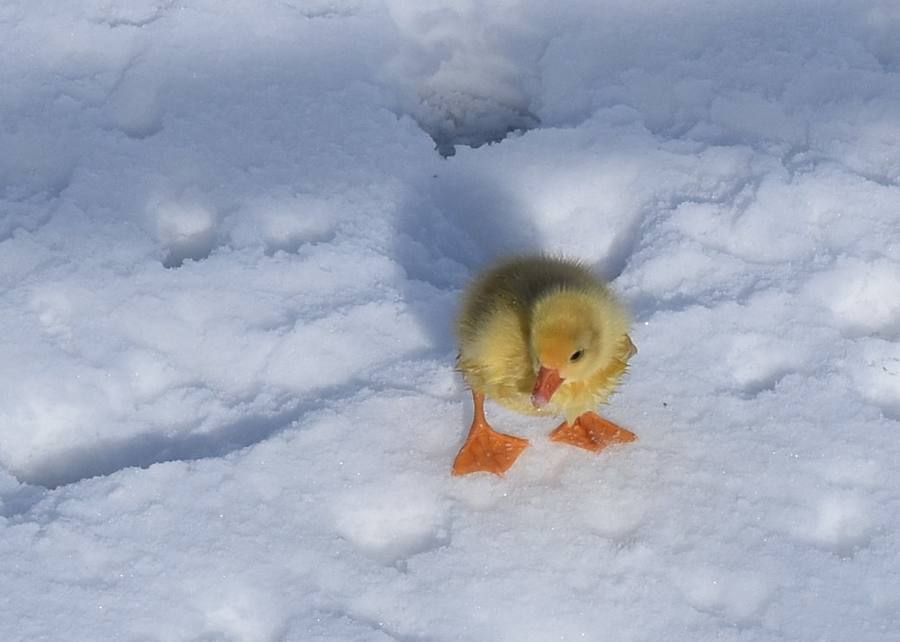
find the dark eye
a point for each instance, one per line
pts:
(576, 355)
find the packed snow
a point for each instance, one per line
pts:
(233, 236)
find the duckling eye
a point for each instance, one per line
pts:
(576, 355)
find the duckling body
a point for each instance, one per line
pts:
(542, 336)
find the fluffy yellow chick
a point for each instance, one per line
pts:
(541, 336)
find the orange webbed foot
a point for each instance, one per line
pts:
(592, 432)
(488, 451)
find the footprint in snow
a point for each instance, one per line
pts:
(286, 223)
(135, 107)
(393, 522)
(738, 596)
(614, 518)
(757, 362)
(862, 296)
(876, 376)
(839, 523)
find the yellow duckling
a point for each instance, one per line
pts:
(541, 336)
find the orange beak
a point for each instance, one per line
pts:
(548, 380)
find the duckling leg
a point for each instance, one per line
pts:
(592, 432)
(485, 449)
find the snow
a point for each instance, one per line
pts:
(232, 241)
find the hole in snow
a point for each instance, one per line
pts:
(469, 73)
(460, 119)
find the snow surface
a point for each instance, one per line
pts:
(230, 256)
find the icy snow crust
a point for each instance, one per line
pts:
(230, 258)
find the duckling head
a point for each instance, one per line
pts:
(573, 336)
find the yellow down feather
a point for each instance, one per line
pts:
(527, 312)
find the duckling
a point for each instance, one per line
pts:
(541, 336)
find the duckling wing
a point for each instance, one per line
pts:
(495, 360)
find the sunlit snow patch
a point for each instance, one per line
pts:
(392, 522)
(285, 223)
(186, 231)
